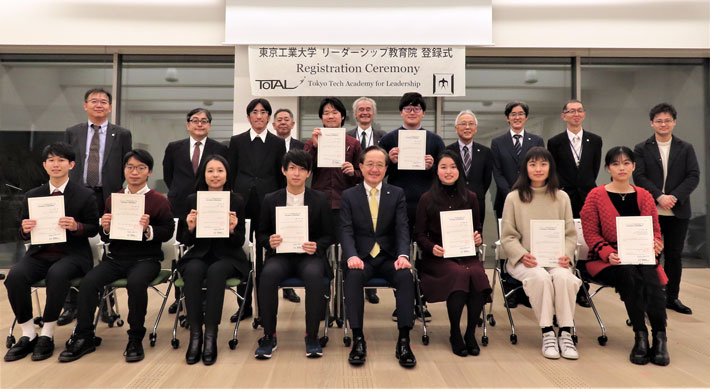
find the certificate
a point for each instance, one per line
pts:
(634, 235)
(412, 149)
(457, 233)
(46, 211)
(212, 214)
(331, 147)
(292, 226)
(126, 212)
(547, 241)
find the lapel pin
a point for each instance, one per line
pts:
(388, 192)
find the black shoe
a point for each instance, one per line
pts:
(427, 315)
(512, 301)
(659, 349)
(209, 354)
(290, 295)
(267, 345)
(247, 314)
(358, 354)
(77, 349)
(458, 346)
(371, 296)
(678, 306)
(471, 345)
(313, 347)
(134, 351)
(21, 349)
(106, 317)
(194, 349)
(582, 299)
(44, 348)
(404, 353)
(67, 316)
(639, 354)
(172, 309)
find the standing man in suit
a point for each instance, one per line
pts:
(667, 167)
(58, 263)
(477, 160)
(375, 240)
(99, 147)
(255, 158)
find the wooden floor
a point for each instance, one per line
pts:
(501, 364)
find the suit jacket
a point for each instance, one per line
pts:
(295, 144)
(478, 178)
(376, 135)
(118, 143)
(79, 203)
(229, 249)
(261, 172)
(177, 171)
(683, 172)
(357, 234)
(506, 163)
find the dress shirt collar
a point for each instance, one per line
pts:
(61, 188)
(295, 200)
(193, 141)
(253, 134)
(142, 191)
(103, 128)
(287, 140)
(461, 145)
(522, 134)
(571, 135)
(368, 188)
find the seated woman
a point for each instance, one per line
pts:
(640, 286)
(459, 281)
(211, 259)
(552, 290)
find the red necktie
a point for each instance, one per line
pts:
(196, 157)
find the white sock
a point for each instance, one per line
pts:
(28, 329)
(48, 329)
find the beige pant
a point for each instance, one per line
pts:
(552, 290)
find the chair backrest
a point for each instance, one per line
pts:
(582, 248)
(498, 246)
(247, 238)
(171, 248)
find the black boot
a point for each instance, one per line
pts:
(639, 354)
(659, 349)
(209, 354)
(194, 349)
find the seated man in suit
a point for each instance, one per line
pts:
(58, 263)
(137, 261)
(375, 240)
(310, 266)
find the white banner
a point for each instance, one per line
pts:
(357, 70)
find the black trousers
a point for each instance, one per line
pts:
(30, 270)
(673, 230)
(381, 266)
(641, 292)
(139, 275)
(213, 273)
(309, 268)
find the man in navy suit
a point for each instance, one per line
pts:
(375, 241)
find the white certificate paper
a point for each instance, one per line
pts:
(331, 147)
(547, 241)
(457, 233)
(212, 214)
(412, 149)
(292, 226)
(634, 235)
(46, 211)
(126, 212)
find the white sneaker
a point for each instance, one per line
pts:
(567, 348)
(549, 345)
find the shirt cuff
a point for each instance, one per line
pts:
(149, 233)
(79, 229)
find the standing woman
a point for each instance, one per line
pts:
(640, 286)
(458, 281)
(552, 290)
(210, 261)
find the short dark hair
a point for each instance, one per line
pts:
(413, 99)
(264, 103)
(509, 107)
(617, 152)
(524, 185)
(439, 195)
(564, 107)
(141, 155)
(288, 111)
(201, 182)
(663, 108)
(198, 110)
(59, 149)
(337, 104)
(299, 158)
(378, 148)
(97, 90)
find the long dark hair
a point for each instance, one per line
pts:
(523, 183)
(438, 193)
(201, 183)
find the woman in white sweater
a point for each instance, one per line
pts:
(552, 290)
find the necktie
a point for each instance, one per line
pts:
(56, 192)
(363, 140)
(577, 151)
(516, 144)
(466, 160)
(196, 157)
(92, 164)
(373, 211)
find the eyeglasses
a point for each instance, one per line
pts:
(139, 168)
(666, 121)
(466, 124)
(412, 109)
(573, 111)
(370, 165)
(95, 101)
(517, 114)
(198, 121)
(259, 112)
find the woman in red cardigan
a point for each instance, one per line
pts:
(640, 286)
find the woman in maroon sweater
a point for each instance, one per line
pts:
(640, 286)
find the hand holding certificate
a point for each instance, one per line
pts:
(126, 213)
(634, 235)
(331, 147)
(292, 227)
(212, 214)
(457, 233)
(412, 150)
(547, 241)
(46, 212)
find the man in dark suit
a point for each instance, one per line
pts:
(375, 241)
(99, 147)
(58, 263)
(508, 149)
(309, 265)
(577, 154)
(476, 157)
(667, 167)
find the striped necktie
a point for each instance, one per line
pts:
(517, 145)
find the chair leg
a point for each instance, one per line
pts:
(343, 310)
(513, 336)
(420, 305)
(175, 342)
(10, 338)
(240, 312)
